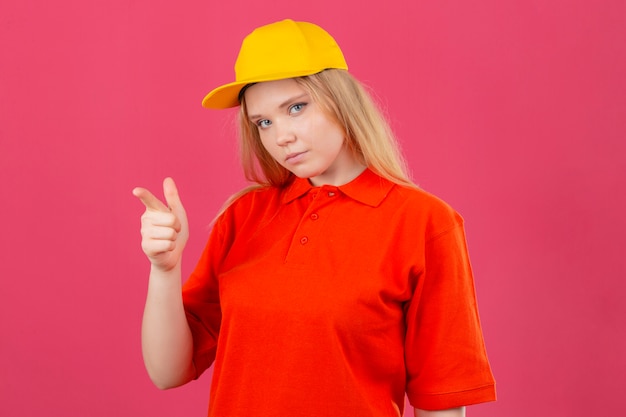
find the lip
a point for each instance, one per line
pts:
(294, 157)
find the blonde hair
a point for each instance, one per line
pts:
(344, 100)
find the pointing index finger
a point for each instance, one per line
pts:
(149, 200)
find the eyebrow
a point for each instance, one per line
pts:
(282, 105)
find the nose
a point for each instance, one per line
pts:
(284, 134)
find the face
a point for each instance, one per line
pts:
(299, 135)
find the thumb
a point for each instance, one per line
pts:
(171, 194)
(173, 201)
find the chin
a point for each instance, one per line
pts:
(306, 174)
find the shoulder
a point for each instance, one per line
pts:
(255, 195)
(415, 205)
(420, 199)
(247, 203)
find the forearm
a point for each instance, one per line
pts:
(452, 412)
(167, 342)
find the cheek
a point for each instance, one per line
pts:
(329, 133)
(334, 140)
(269, 145)
(265, 142)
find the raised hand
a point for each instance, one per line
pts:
(164, 227)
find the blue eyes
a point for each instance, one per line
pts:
(293, 110)
(296, 108)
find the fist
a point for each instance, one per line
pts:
(164, 227)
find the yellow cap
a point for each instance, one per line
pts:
(280, 50)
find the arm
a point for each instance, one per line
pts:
(166, 339)
(452, 412)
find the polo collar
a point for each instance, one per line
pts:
(368, 188)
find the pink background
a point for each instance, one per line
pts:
(513, 111)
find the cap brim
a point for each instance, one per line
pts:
(227, 95)
(224, 97)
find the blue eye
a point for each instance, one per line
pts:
(297, 108)
(263, 123)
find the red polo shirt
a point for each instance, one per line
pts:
(335, 301)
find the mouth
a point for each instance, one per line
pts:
(294, 157)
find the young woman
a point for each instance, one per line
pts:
(334, 286)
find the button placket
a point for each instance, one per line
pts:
(304, 243)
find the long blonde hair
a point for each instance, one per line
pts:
(345, 100)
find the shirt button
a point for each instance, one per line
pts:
(304, 240)
(331, 193)
(314, 216)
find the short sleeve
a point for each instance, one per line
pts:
(446, 361)
(201, 299)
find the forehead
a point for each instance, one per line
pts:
(271, 94)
